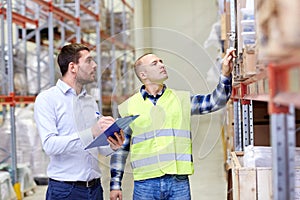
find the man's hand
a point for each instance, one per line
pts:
(116, 195)
(116, 144)
(102, 124)
(227, 64)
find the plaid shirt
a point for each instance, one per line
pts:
(200, 104)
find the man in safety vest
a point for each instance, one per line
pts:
(159, 140)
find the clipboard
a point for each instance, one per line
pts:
(120, 123)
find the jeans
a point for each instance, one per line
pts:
(65, 191)
(167, 187)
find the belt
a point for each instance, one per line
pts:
(87, 184)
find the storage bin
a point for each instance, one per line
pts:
(248, 25)
(247, 14)
(248, 38)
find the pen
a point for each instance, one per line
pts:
(97, 115)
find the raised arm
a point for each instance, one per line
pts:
(216, 100)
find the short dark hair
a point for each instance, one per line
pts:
(69, 53)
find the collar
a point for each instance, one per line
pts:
(65, 88)
(145, 94)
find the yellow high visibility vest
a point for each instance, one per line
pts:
(161, 141)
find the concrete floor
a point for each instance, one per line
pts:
(207, 183)
(38, 193)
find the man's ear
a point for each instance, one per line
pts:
(143, 75)
(72, 67)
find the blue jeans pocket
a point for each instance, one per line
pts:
(59, 190)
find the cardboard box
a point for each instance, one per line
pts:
(253, 183)
(278, 30)
(249, 63)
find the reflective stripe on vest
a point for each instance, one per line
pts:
(160, 133)
(161, 158)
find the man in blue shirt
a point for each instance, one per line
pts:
(161, 154)
(66, 119)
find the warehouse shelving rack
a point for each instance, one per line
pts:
(276, 84)
(8, 95)
(282, 106)
(68, 18)
(63, 22)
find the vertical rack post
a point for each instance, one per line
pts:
(113, 55)
(2, 49)
(10, 67)
(24, 41)
(51, 43)
(11, 88)
(251, 131)
(237, 126)
(77, 16)
(124, 40)
(98, 50)
(246, 117)
(232, 34)
(238, 144)
(283, 137)
(38, 48)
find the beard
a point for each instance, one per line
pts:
(86, 79)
